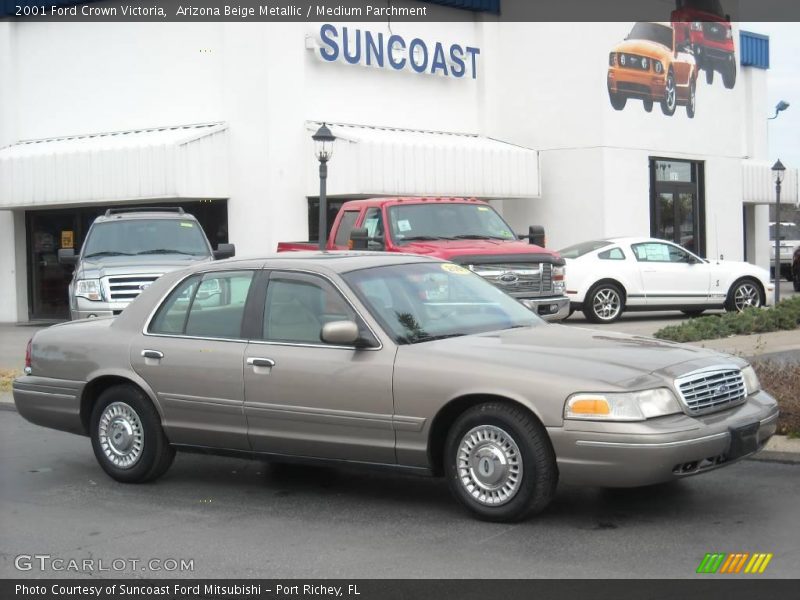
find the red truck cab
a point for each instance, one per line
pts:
(702, 27)
(465, 231)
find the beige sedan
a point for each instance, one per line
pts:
(388, 360)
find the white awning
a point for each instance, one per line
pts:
(188, 161)
(402, 162)
(758, 185)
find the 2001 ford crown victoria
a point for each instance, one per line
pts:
(394, 360)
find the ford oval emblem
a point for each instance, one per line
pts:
(721, 389)
(509, 278)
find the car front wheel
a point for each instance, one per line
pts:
(618, 101)
(499, 462)
(604, 303)
(670, 95)
(743, 294)
(127, 437)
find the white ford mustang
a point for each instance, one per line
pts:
(604, 278)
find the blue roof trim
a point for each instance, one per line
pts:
(754, 50)
(491, 6)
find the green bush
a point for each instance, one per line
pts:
(786, 315)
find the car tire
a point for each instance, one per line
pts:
(499, 462)
(691, 100)
(709, 76)
(693, 312)
(648, 105)
(604, 303)
(618, 101)
(670, 94)
(744, 293)
(729, 75)
(127, 437)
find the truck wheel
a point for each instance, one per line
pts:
(618, 101)
(690, 103)
(670, 95)
(709, 76)
(604, 303)
(499, 462)
(127, 437)
(744, 293)
(729, 75)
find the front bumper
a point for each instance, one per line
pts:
(663, 449)
(550, 309)
(636, 84)
(89, 309)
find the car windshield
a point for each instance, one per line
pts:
(652, 32)
(420, 302)
(710, 6)
(788, 232)
(582, 248)
(145, 236)
(447, 221)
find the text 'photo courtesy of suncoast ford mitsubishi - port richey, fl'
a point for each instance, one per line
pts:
(409, 299)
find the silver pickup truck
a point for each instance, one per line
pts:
(128, 249)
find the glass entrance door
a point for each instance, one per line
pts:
(677, 207)
(47, 232)
(676, 218)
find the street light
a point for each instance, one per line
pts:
(323, 146)
(779, 107)
(778, 171)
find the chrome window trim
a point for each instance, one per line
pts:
(163, 298)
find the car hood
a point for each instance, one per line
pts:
(454, 249)
(614, 360)
(643, 48)
(139, 264)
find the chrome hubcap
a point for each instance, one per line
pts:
(670, 92)
(606, 304)
(121, 435)
(489, 465)
(746, 295)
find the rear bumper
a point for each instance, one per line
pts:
(550, 309)
(53, 403)
(664, 449)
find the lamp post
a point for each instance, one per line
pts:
(323, 142)
(777, 174)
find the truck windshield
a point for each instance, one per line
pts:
(653, 32)
(447, 221)
(145, 236)
(421, 302)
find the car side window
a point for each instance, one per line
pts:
(658, 252)
(171, 316)
(218, 305)
(297, 306)
(346, 225)
(373, 221)
(612, 254)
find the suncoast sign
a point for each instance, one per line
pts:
(392, 51)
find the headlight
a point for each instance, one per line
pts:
(644, 63)
(631, 406)
(612, 59)
(558, 279)
(751, 382)
(89, 289)
(622, 59)
(697, 26)
(658, 66)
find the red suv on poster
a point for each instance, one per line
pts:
(706, 29)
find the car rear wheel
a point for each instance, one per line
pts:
(745, 293)
(499, 462)
(604, 303)
(670, 97)
(648, 105)
(127, 437)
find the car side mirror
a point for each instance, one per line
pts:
(691, 259)
(66, 256)
(340, 333)
(536, 235)
(359, 239)
(224, 251)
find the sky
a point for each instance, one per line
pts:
(783, 81)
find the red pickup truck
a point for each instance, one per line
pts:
(703, 27)
(465, 231)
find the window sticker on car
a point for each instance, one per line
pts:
(186, 224)
(403, 225)
(455, 269)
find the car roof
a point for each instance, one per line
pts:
(408, 200)
(635, 240)
(126, 215)
(337, 261)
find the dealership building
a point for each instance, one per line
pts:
(218, 117)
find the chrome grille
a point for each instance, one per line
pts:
(715, 31)
(518, 278)
(124, 288)
(711, 389)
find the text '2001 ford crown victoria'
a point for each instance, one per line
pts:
(388, 359)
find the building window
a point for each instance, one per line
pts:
(677, 203)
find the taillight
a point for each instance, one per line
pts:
(28, 357)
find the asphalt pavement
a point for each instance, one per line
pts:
(239, 518)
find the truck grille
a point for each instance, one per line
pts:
(715, 31)
(518, 278)
(125, 288)
(711, 390)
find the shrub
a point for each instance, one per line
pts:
(783, 382)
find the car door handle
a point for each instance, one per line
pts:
(152, 354)
(260, 362)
